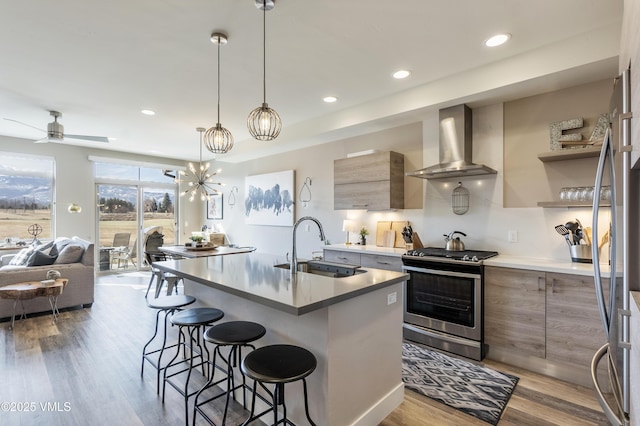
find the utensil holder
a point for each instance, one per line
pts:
(581, 253)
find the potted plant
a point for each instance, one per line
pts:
(196, 240)
(363, 235)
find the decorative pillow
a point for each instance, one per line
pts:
(45, 248)
(71, 253)
(59, 244)
(22, 257)
(40, 258)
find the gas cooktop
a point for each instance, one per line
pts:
(435, 253)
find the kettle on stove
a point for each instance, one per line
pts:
(454, 244)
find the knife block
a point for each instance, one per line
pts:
(417, 243)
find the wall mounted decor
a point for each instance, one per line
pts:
(269, 199)
(232, 196)
(305, 192)
(214, 206)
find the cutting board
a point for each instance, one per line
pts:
(389, 238)
(398, 227)
(380, 230)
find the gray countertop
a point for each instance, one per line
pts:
(253, 276)
(502, 260)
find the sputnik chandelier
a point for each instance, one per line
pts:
(199, 179)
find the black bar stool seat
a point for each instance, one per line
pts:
(166, 305)
(237, 334)
(193, 320)
(279, 364)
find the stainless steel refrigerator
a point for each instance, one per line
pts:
(615, 169)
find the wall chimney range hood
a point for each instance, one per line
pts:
(455, 147)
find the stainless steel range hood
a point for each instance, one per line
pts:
(455, 147)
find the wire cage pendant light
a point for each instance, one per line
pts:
(264, 123)
(218, 139)
(199, 179)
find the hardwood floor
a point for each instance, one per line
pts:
(85, 369)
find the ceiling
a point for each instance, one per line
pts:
(101, 62)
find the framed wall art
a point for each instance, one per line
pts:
(214, 207)
(269, 199)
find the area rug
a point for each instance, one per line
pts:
(473, 389)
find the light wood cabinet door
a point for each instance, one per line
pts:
(379, 261)
(341, 257)
(574, 327)
(514, 310)
(371, 182)
(368, 168)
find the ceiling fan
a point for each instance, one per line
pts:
(55, 131)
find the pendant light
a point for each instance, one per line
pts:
(264, 123)
(199, 179)
(218, 139)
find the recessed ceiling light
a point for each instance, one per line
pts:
(400, 74)
(148, 112)
(112, 139)
(497, 40)
(329, 99)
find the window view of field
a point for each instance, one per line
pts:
(14, 223)
(25, 196)
(112, 223)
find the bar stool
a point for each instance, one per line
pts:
(278, 365)
(160, 276)
(193, 320)
(236, 334)
(166, 305)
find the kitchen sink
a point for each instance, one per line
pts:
(326, 269)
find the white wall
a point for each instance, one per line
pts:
(428, 202)
(487, 223)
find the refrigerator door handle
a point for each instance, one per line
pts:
(595, 254)
(611, 415)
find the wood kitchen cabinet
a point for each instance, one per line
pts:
(550, 316)
(514, 310)
(371, 182)
(574, 327)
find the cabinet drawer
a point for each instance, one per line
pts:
(342, 257)
(390, 263)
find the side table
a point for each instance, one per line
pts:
(31, 289)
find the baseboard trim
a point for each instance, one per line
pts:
(382, 408)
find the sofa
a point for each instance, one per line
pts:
(74, 263)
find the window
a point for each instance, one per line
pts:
(26, 197)
(135, 199)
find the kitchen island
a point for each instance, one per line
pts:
(353, 325)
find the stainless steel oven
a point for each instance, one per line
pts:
(443, 300)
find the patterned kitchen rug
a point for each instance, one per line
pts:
(473, 389)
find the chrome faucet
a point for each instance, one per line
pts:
(294, 259)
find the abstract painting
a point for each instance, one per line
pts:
(269, 199)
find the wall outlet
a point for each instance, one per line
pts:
(513, 236)
(392, 298)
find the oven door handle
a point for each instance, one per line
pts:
(443, 336)
(438, 272)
